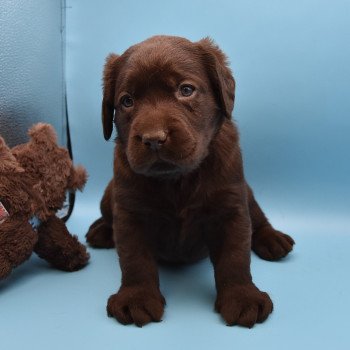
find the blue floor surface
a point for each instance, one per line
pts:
(43, 308)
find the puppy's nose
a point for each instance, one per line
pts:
(154, 140)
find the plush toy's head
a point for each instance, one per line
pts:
(49, 165)
(8, 163)
(17, 191)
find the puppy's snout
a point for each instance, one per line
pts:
(154, 140)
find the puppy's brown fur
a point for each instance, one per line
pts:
(178, 192)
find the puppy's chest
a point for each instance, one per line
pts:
(180, 205)
(178, 221)
(179, 235)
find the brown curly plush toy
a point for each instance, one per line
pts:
(34, 178)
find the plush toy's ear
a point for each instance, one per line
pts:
(3, 146)
(110, 74)
(43, 134)
(77, 178)
(8, 163)
(220, 75)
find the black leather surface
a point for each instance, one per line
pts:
(32, 85)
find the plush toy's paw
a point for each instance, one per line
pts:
(100, 235)
(243, 305)
(74, 257)
(5, 267)
(139, 305)
(270, 244)
(57, 246)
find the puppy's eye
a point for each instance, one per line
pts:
(127, 101)
(186, 90)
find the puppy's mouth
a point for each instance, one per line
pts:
(163, 168)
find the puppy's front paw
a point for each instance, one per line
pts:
(270, 244)
(243, 305)
(139, 305)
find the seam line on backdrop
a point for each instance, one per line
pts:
(65, 118)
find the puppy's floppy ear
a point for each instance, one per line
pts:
(110, 74)
(220, 74)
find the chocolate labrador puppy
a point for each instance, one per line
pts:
(178, 192)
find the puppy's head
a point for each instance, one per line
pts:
(167, 97)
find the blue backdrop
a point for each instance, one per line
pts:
(291, 64)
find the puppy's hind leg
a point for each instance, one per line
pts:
(267, 243)
(100, 234)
